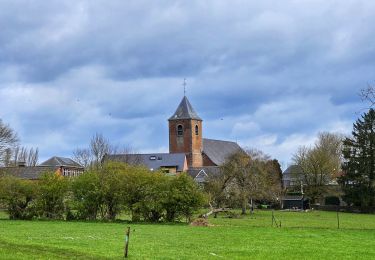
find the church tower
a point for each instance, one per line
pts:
(185, 133)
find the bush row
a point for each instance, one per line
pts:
(103, 193)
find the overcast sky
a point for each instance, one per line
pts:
(269, 74)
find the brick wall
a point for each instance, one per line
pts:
(189, 143)
(207, 161)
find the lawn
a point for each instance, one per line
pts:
(302, 235)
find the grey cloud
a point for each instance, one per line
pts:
(269, 68)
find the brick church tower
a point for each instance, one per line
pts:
(185, 133)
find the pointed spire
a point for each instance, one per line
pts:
(185, 111)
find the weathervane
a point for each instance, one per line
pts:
(184, 84)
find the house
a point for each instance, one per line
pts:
(59, 165)
(166, 162)
(185, 140)
(294, 181)
(292, 176)
(201, 174)
(295, 202)
(293, 184)
(64, 166)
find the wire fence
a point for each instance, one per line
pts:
(298, 219)
(323, 219)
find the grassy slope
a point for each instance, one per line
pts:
(303, 235)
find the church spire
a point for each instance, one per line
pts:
(185, 132)
(185, 111)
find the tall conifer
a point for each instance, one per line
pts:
(358, 179)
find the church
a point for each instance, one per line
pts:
(188, 150)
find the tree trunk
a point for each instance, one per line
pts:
(244, 202)
(135, 216)
(214, 211)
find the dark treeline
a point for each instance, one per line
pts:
(102, 194)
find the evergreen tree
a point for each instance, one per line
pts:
(359, 165)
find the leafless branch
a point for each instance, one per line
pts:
(368, 94)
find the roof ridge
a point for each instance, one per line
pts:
(119, 154)
(60, 161)
(219, 140)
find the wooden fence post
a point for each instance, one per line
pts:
(127, 236)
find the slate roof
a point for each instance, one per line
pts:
(200, 174)
(218, 150)
(61, 161)
(185, 111)
(295, 173)
(293, 169)
(28, 172)
(152, 161)
(292, 173)
(293, 197)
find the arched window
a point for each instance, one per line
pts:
(196, 130)
(180, 130)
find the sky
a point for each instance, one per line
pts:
(270, 75)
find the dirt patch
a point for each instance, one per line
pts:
(201, 222)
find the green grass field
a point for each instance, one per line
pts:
(302, 236)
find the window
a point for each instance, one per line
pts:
(180, 130)
(196, 130)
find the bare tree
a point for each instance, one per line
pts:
(7, 157)
(128, 155)
(93, 155)
(249, 176)
(32, 157)
(22, 154)
(83, 156)
(271, 175)
(256, 154)
(368, 94)
(244, 177)
(218, 187)
(8, 140)
(319, 165)
(99, 147)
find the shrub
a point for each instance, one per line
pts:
(51, 195)
(151, 205)
(136, 181)
(103, 192)
(332, 200)
(112, 180)
(184, 196)
(155, 196)
(87, 195)
(18, 196)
